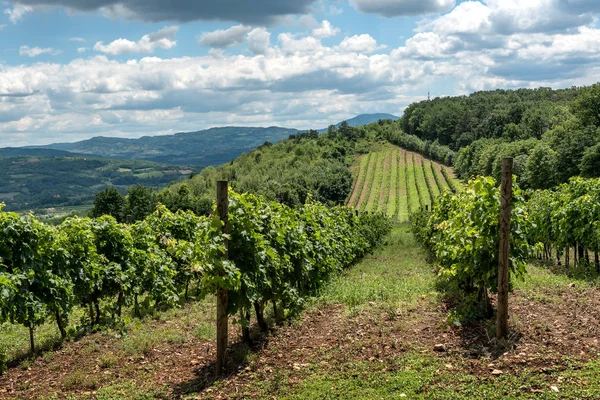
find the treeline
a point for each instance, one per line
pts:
(510, 114)
(276, 253)
(551, 134)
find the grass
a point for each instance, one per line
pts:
(412, 188)
(392, 185)
(360, 179)
(378, 279)
(375, 182)
(427, 377)
(14, 339)
(420, 181)
(383, 187)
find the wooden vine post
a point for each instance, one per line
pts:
(222, 293)
(503, 272)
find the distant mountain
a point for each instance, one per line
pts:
(364, 119)
(213, 146)
(203, 148)
(32, 152)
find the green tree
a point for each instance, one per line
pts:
(586, 106)
(109, 202)
(141, 202)
(590, 164)
(540, 169)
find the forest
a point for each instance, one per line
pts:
(552, 134)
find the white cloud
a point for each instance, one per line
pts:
(36, 51)
(305, 45)
(325, 30)
(77, 39)
(470, 17)
(16, 13)
(162, 39)
(394, 8)
(429, 45)
(259, 40)
(364, 43)
(224, 38)
(82, 49)
(505, 17)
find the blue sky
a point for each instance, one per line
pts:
(73, 69)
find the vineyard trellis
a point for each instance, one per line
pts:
(276, 253)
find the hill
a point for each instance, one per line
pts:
(393, 180)
(203, 148)
(33, 152)
(213, 146)
(40, 182)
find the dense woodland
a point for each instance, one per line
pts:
(552, 134)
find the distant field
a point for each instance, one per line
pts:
(393, 180)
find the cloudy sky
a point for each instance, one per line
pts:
(73, 69)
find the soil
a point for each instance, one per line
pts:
(545, 330)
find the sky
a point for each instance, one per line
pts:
(74, 69)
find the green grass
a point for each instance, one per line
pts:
(435, 191)
(402, 211)
(375, 183)
(420, 182)
(392, 202)
(420, 376)
(378, 279)
(412, 188)
(359, 179)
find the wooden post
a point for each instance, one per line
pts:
(222, 301)
(503, 276)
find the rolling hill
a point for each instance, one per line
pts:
(213, 146)
(395, 181)
(203, 148)
(30, 182)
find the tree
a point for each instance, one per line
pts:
(141, 202)
(590, 164)
(109, 202)
(540, 169)
(587, 105)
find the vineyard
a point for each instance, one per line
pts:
(99, 267)
(396, 182)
